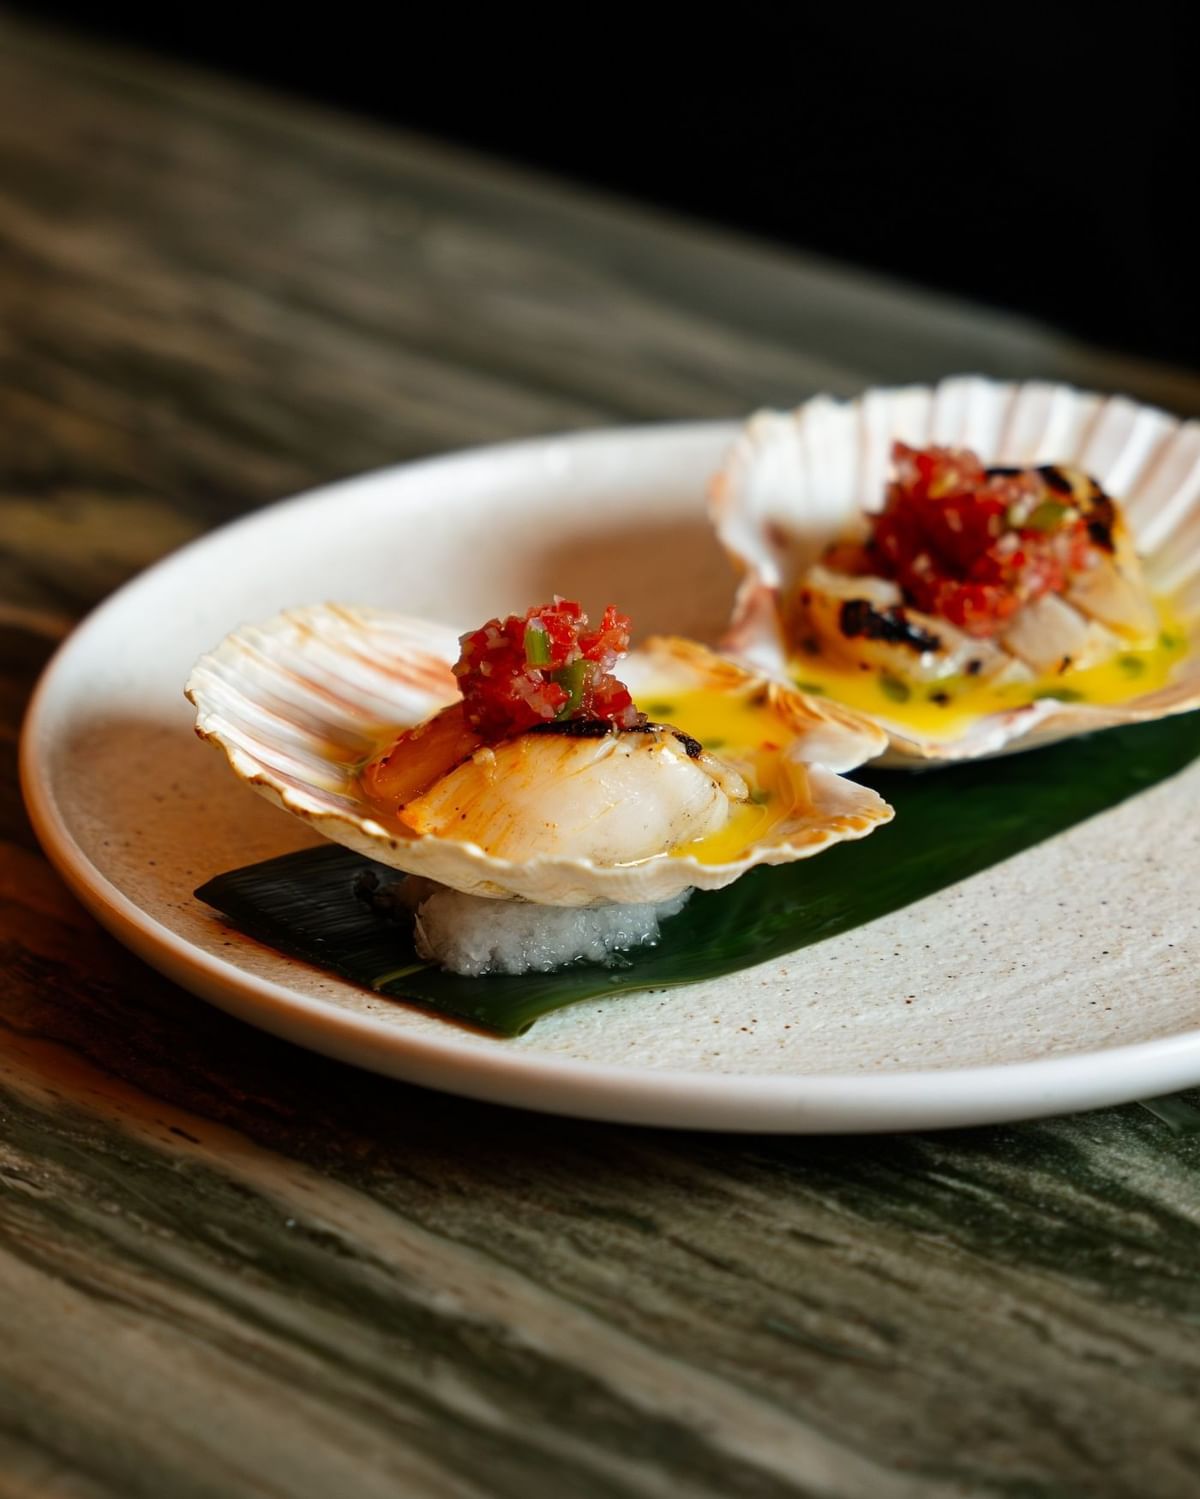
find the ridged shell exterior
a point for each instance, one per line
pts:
(298, 705)
(794, 481)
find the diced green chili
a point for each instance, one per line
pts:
(1047, 516)
(537, 644)
(574, 678)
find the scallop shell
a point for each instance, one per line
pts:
(795, 481)
(298, 705)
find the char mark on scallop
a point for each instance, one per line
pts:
(692, 747)
(598, 728)
(1102, 517)
(860, 618)
(1055, 479)
(575, 728)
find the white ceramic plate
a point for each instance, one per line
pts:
(1061, 980)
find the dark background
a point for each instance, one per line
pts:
(1039, 158)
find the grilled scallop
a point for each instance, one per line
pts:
(351, 720)
(1100, 629)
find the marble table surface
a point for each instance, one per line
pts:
(229, 1268)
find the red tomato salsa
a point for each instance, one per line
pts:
(545, 666)
(973, 544)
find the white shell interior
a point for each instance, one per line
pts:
(792, 482)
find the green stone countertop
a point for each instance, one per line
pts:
(233, 1270)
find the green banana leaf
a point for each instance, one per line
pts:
(950, 823)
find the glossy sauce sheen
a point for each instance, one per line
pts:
(947, 708)
(748, 737)
(731, 726)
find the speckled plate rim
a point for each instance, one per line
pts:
(796, 1103)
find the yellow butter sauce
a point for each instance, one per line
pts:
(948, 707)
(740, 730)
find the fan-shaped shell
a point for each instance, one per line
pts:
(300, 703)
(795, 481)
